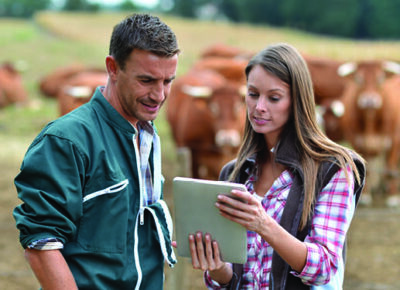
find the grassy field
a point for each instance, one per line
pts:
(52, 40)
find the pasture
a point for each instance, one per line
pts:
(53, 40)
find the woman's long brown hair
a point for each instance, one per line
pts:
(285, 62)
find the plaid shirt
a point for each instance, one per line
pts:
(333, 213)
(146, 133)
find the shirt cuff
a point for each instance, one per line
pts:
(211, 284)
(46, 244)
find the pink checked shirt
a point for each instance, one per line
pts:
(333, 213)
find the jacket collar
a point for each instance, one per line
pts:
(103, 107)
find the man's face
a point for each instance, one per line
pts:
(143, 85)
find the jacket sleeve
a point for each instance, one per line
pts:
(50, 187)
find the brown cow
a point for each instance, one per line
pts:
(78, 89)
(206, 113)
(226, 51)
(231, 68)
(11, 87)
(50, 84)
(391, 129)
(328, 88)
(371, 103)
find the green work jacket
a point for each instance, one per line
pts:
(80, 183)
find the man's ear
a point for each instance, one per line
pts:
(112, 66)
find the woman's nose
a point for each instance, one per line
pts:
(261, 105)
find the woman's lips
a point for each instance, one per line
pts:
(260, 121)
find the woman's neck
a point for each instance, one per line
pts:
(268, 172)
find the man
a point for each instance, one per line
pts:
(92, 215)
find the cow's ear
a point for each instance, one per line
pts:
(347, 69)
(9, 67)
(391, 67)
(111, 65)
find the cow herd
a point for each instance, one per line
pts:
(358, 104)
(72, 85)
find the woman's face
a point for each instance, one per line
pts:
(268, 103)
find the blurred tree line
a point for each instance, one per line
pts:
(362, 19)
(26, 8)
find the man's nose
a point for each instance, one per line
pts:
(158, 93)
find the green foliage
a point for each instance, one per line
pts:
(384, 19)
(261, 11)
(185, 8)
(80, 5)
(373, 19)
(22, 8)
(127, 5)
(337, 17)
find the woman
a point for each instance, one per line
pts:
(302, 187)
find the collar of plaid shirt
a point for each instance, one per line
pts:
(148, 138)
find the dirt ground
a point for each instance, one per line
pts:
(373, 242)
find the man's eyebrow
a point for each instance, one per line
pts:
(146, 77)
(149, 77)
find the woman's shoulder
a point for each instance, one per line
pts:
(227, 170)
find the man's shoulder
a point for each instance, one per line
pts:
(74, 121)
(73, 127)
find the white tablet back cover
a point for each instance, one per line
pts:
(194, 210)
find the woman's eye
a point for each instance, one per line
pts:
(252, 94)
(274, 98)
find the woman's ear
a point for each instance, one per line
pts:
(111, 66)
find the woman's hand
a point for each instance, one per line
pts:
(245, 210)
(206, 256)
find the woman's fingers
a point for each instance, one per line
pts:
(201, 252)
(205, 253)
(234, 212)
(193, 252)
(217, 255)
(209, 252)
(240, 199)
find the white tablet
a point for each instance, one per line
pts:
(194, 210)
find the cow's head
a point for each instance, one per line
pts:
(224, 107)
(11, 86)
(364, 99)
(366, 79)
(79, 89)
(329, 112)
